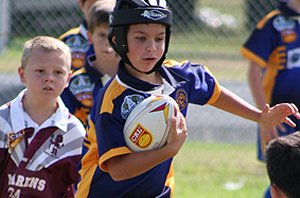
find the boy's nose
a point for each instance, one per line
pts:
(49, 78)
(150, 47)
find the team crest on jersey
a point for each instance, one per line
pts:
(78, 46)
(56, 143)
(82, 88)
(181, 99)
(282, 23)
(129, 103)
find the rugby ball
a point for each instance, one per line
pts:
(147, 126)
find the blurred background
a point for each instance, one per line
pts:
(209, 32)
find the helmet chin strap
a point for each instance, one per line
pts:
(156, 66)
(127, 61)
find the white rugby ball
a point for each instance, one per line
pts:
(146, 127)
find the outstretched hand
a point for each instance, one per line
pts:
(279, 114)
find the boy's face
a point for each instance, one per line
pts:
(85, 7)
(146, 45)
(45, 75)
(104, 53)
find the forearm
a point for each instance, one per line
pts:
(255, 85)
(232, 103)
(136, 163)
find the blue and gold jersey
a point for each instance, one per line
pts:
(275, 46)
(82, 90)
(185, 82)
(77, 40)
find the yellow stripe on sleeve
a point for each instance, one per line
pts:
(112, 153)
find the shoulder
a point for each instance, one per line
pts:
(5, 117)
(184, 67)
(80, 72)
(4, 109)
(268, 19)
(108, 95)
(75, 125)
(73, 31)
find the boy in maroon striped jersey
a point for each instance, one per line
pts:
(40, 141)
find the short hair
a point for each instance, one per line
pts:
(283, 164)
(46, 44)
(99, 13)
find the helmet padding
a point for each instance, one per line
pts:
(129, 12)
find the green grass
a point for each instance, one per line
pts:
(202, 170)
(10, 59)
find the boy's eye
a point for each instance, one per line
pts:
(59, 72)
(140, 38)
(102, 35)
(39, 70)
(159, 39)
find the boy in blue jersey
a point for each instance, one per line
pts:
(273, 51)
(283, 153)
(77, 38)
(140, 33)
(85, 83)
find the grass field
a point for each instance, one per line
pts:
(205, 170)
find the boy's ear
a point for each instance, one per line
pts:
(276, 192)
(69, 78)
(21, 74)
(90, 40)
(114, 39)
(80, 3)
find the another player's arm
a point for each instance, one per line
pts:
(254, 75)
(267, 133)
(134, 164)
(232, 103)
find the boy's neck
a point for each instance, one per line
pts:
(38, 112)
(101, 67)
(154, 77)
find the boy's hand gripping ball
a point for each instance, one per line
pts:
(147, 126)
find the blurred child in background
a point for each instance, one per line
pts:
(77, 39)
(273, 51)
(85, 83)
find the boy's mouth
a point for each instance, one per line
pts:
(48, 88)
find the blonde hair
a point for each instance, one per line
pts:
(99, 13)
(46, 44)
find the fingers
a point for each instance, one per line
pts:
(182, 122)
(173, 124)
(179, 129)
(296, 111)
(266, 108)
(289, 122)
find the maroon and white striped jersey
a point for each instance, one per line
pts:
(38, 160)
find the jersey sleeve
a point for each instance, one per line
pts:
(203, 87)
(261, 41)
(69, 100)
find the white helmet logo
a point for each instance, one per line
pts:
(154, 15)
